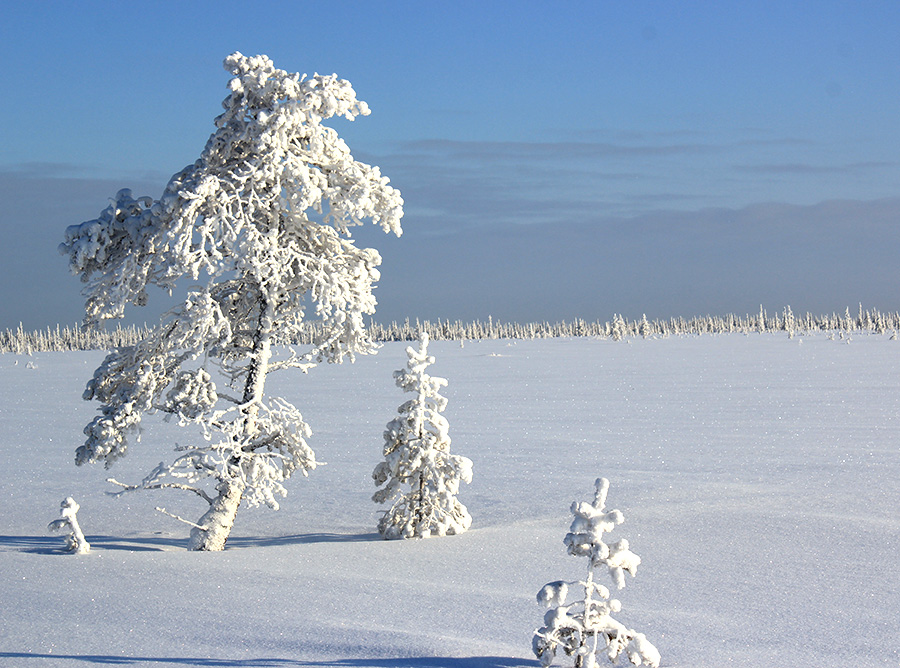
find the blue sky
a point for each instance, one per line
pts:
(558, 160)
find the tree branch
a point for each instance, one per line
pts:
(159, 485)
(181, 519)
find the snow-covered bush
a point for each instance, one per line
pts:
(261, 220)
(417, 457)
(584, 627)
(76, 543)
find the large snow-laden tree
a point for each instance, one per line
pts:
(261, 220)
(584, 628)
(420, 476)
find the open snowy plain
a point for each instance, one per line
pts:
(759, 477)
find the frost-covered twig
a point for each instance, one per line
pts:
(76, 543)
(152, 482)
(180, 519)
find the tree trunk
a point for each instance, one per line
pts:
(420, 505)
(420, 502)
(218, 520)
(259, 365)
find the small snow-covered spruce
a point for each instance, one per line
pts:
(261, 220)
(619, 328)
(76, 543)
(584, 628)
(644, 327)
(417, 456)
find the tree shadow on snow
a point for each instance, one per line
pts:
(431, 662)
(300, 539)
(51, 544)
(414, 662)
(34, 544)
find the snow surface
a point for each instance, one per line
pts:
(758, 476)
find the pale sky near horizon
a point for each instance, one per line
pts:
(557, 160)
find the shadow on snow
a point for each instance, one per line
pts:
(301, 539)
(51, 544)
(413, 662)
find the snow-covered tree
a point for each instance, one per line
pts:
(76, 543)
(644, 327)
(790, 322)
(584, 627)
(619, 328)
(262, 221)
(420, 476)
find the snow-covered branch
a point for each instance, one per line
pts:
(179, 518)
(154, 481)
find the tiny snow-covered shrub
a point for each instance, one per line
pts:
(68, 522)
(584, 628)
(417, 454)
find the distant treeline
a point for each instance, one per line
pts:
(863, 321)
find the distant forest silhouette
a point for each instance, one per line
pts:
(864, 321)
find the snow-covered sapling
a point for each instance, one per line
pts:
(76, 543)
(419, 474)
(584, 628)
(261, 220)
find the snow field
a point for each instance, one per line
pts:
(757, 475)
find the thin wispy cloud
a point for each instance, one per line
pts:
(499, 151)
(778, 142)
(43, 169)
(666, 262)
(501, 181)
(801, 168)
(475, 247)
